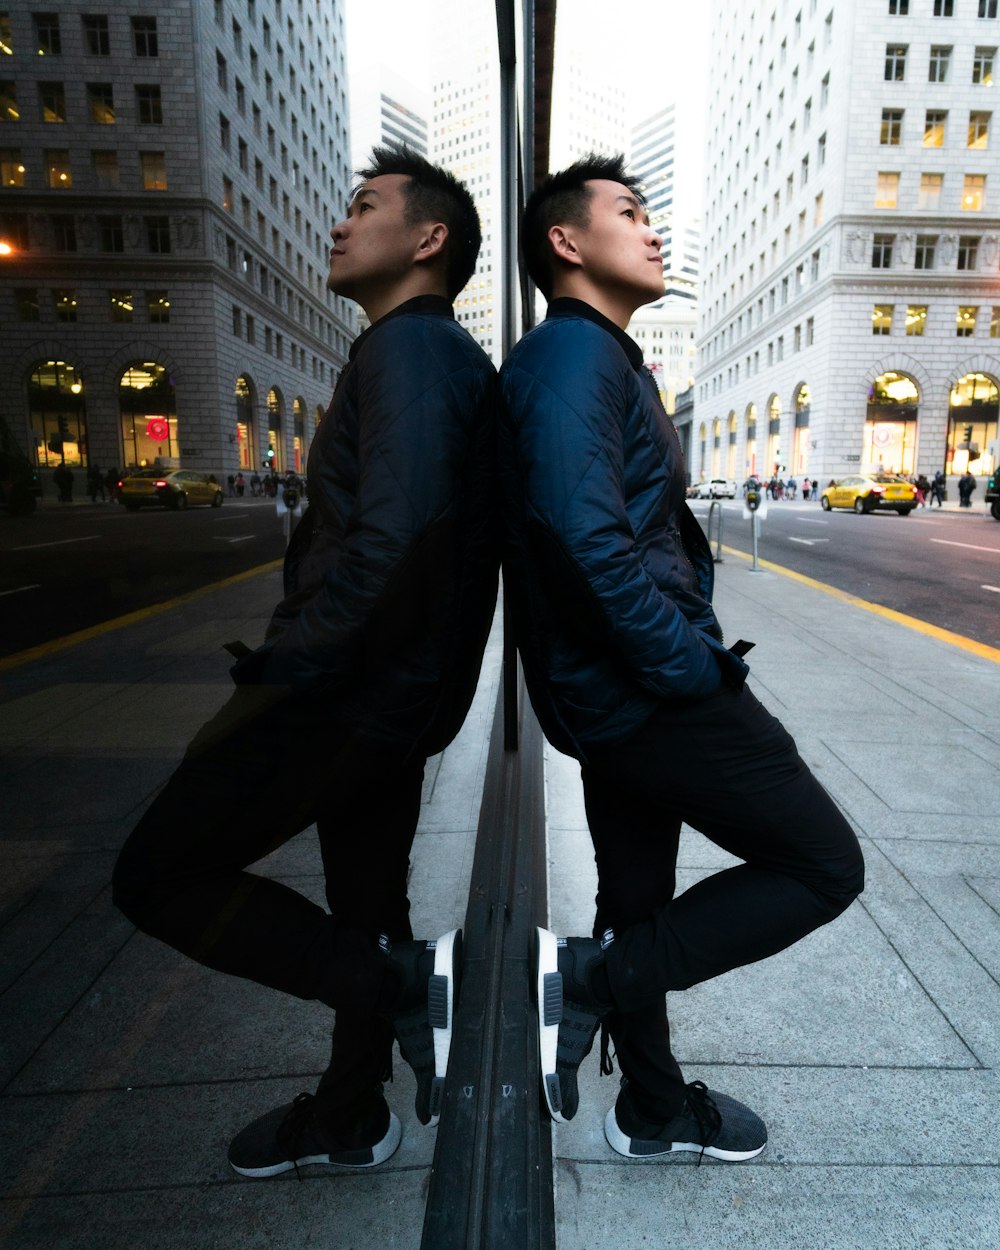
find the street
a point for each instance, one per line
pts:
(64, 569)
(939, 566)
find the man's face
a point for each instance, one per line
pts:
(619, 250)
(373, 247)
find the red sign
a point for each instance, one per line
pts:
(158, 429)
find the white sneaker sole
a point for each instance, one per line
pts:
(548, 990)
(618, 1141)
(441, 1012)
(381, 1151)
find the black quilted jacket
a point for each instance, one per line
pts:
(391, 576)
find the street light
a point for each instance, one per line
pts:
(5, 248)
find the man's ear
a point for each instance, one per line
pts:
(564, 245)
(432, 242)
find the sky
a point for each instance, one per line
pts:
(659, 51)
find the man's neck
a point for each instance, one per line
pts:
(617, 306)
(379, 303)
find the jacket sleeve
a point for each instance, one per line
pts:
(571, 458)
(416, 397)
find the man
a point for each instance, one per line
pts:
(610, 579)
(369, 665)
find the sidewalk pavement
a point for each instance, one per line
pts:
(870, 1048)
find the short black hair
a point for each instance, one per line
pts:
(564, 198)
(433, 194)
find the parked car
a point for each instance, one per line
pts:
(717, 488)
(887, 491)
(175, 489)
(993, 494)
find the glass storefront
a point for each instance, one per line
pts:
(275, 445)
(148, 412)
(245, 426)
(972, 425)
(800, 439)
(773, 464)
(891, 425)
(299, 434)
(58, 414)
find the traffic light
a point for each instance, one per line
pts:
(968, 433)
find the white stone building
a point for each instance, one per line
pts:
(850, 283)
(666, 333)
(168, 177)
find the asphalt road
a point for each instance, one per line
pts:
(65, 568)
(939, 566)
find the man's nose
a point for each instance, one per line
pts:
(339, 230)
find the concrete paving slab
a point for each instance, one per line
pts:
(54, 793)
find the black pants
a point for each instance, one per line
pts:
(263, 769)
(729, 769)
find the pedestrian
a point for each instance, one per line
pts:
(815, 488)
(255, 483)
(923, 486)
(609, 578)
(805, 490)
(111, 482)
(937, 488)
(95, 484)
(369, 666)
(966, 487)
(231, 483)
(241, 484)
(62, 476)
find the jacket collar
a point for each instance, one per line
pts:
(564, 306)
(427, 305)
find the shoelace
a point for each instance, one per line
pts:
(297, 1120)
(705, 1113)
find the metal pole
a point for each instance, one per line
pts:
(754, 532)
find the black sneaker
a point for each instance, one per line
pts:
(709, 1123)
(568, 1014)
(291, 1136)
(422, 1013)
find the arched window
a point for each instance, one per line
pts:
(246, 425)
(773, 463)
(972, 425)
(148, 414)
(716, 447)
(891, 425)
(800, 439)
(703, 451)
(299, 434)
(58, 414)
(731, 448)
(275, 446)
(751, 456)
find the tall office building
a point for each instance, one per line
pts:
(385, 109)
(653, 159)
(168, 177)
(850, 309)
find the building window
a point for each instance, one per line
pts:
(157, 307)
(944, 8)
(982, 66)
(937, 69)
(149, 105)
(112, 234)
(892, 127)
(968, 251)
(974, 193)
(48, 41)
(930, 190)
(882, 319)
(157, 234)
(144, 38)
(101, 103)
(887, 190)
(121, 306)
(882, 251)
(64, 299)
(63, 232)
(244, 156)
(916, 319)
(28, 308)
(979, 130)
(821, 150)
(95, 35)
(6, 42)
(810, 331)
(934, 124)
(237, 37)
(59, 172)
(237, 320)
(987, 8)
(221, 73)
(895, 62)
(241, 98)
(249, 333)
(106, 170)
(9, 111)
(923, 255)
(965, 322)
(818, 217)
(224, 132)
(899, 8)
(53, 101)
(154, 171)
(227, 194)
(995, 323)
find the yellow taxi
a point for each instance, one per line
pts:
(174, 489)
(887, 491)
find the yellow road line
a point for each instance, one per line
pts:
(130, 618)
(911, 622)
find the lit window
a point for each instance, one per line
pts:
(101, 103)
(9, 111)
(96, 35)
(6, 42)
(144, 37)
(121, 306)
(965, 322)
(882, 319)
(227, 194)
(65, 302)
(895, 62)
(974, 193)
(60, 174)
(916, 319)
(934, 124)
(995, 323)
(979, 130)
(53, 101)
(924, 253)
(887, 190)
(154, 171)
(892, 127)
(157, 307)
(48, 41)
(930, 190)
(982, 66)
